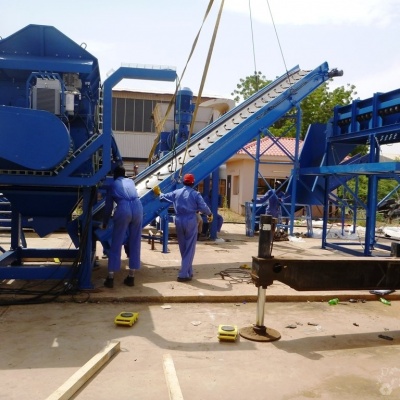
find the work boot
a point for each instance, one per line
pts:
(179, 279)
(109, 282)
(129, 281)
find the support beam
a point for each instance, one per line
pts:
(318, 273)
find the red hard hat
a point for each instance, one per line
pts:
(188, 179)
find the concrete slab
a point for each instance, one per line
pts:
(325, 352)
(334, 351)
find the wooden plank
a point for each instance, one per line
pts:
(80, 377)
(174, 390)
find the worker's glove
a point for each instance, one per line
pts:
(157, 190)
(210, 218)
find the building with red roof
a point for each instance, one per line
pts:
(275, 163)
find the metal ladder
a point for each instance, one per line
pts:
(5, 224)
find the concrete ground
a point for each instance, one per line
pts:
(347, 351)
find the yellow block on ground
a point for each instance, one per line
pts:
(126, 318)
(227, 332)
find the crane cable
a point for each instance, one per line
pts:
(179, 81)
(253, 45)
(254, 51)
(279, 43)
(203, 79)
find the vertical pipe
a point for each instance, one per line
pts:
(372, 195)
(16, 227)
(255, 186)
(260, 307)
(214, 203)
(296, 167)
(165, 230)
(88, 256)
(325, 212)
(355, 206)
(267, 230)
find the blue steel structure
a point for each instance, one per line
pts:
(290, 205)
(219, 141)
(372, 122)
(57, 147)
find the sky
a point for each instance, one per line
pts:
(271, 36)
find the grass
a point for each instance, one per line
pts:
(230, 216)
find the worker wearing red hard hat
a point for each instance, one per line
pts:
(187, 202)
(188, 179)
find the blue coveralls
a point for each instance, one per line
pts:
(128, 217)
(187, 202)
(274, 202)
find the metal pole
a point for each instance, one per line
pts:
(259, 332)
(267, 230)
(260, 307)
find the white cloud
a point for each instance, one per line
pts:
(382, 80)
(318, 12)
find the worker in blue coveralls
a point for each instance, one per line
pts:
(274, 198)
(187, 202)
(127, 218)
(220, 219)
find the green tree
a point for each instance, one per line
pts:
(315, 108)
(318, 106)
(385, 186)
(249, 85)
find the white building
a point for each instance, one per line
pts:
(136, 121)
(240, 170)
